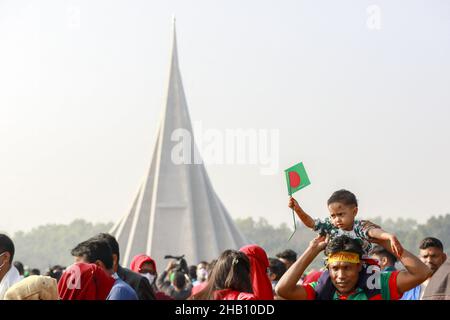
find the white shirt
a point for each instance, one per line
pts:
(10, 278)
(423, 286)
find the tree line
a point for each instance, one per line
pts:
(50, 244)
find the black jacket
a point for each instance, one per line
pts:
(139, 283)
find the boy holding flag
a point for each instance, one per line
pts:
(343, 208)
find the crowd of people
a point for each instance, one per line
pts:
(361, 262)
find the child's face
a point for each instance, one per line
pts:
(342, 216)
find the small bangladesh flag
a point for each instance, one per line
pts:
(296, 178)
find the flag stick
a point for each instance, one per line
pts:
(295, 226)
(293, 217)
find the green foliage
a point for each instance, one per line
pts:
(50, 244)
(267, 236)
(410, 233)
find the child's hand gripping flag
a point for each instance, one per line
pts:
(296, 179)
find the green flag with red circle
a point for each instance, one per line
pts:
(296, 178)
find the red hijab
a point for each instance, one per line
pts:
(136, 266)
(84, 281)
(262, 287)
(139, 260)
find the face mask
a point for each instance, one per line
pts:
(202, 274)
(150, 277)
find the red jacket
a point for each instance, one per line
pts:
(139, 260)
(85, 281)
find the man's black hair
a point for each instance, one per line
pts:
(277, 267)
(19, 267)
(344, 243)
(179, 280)
(93, 250)
(430, 242)
(343, 196)
(6, 245)
(382, 252)
(193, 272)
(55, 272)
(35, 272)
(111, 241)
(287, 254)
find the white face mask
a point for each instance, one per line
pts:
(202, 274)
(149, 276)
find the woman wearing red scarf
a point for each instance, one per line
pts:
(84, 281)
(146, 267)
(259, 263)
(229, 280)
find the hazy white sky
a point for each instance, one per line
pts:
(82, 84)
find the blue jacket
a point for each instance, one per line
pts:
(122, 291)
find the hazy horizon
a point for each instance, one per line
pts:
(83, 85)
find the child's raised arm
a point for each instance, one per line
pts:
(380, 234)
(306, 219)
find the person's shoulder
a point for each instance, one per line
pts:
(359, 224)
(119, 284)
(123, 290)
(389, 269)
(389, 288)
(125, 271)
(366, 224)
(120, 269)
(324, 220)
(129, 275)
(388, 274)
(12, 276)
(438, 287)
(323, 225)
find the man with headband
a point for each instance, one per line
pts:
(349, 280)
